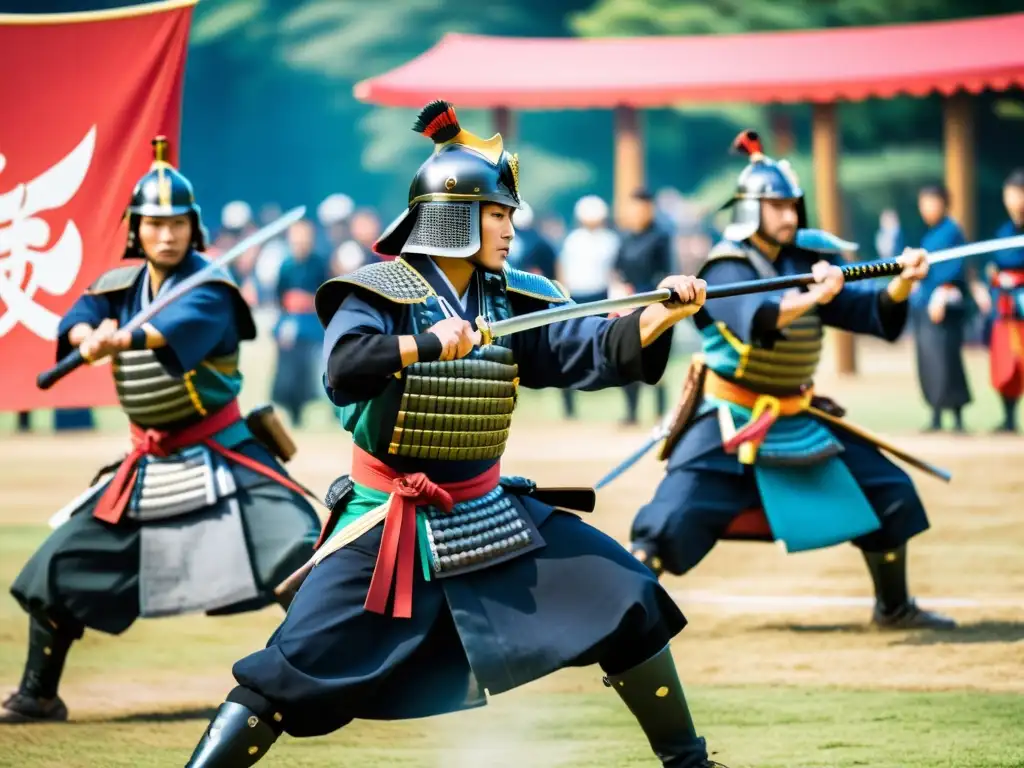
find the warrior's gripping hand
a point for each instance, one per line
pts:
(915, 264)
(690, 293)
(915, 268)
(828, 282)
(458, 337)
(104, 340)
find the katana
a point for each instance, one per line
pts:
(658, 434)
(48, 378)
(851, 273)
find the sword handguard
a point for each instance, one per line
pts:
(870, 269)
(486, 338)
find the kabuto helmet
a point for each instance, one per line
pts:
(443, 217)
(762, 179)
(162, 192)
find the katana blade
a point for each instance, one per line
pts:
(973, 249)
(258, 237)
(660, 433)
(852, 272)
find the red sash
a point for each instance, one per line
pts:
(1004, 299)
(297, 302)
(396, 560)
(153, 442)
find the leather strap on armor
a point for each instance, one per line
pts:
(765, 410)
(397, 557)
(111, 505)
(689, 402)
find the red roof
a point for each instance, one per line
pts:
(848, 63)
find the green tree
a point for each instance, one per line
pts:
(890, 146)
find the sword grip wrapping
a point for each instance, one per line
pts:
(48, 378)
(870, 269)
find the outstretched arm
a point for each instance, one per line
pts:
(861, 308)
(184, 332)
(362, 352)
(595, 352)
(81, 320)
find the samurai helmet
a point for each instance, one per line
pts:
(762, 179)
(443, 213)
(162, 192)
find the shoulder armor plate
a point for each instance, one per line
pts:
(394, 280)
(535, 286)
(116, 279)
(727, 249)
(730, 249)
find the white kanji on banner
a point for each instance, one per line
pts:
(28, 261)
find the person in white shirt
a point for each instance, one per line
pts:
(586, 262)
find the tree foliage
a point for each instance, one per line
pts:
(889, 146)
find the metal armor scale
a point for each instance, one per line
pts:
(457, 410)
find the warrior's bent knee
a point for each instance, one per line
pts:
(260, 705)
(901, 514)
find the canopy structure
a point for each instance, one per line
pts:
(953, 58)
(826, 65)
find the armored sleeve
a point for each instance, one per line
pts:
(865, 309)
(199, 324)
(361, 350)
(753, 318)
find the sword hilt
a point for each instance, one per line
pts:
(72, 362)
(486, 337)
(870, 269)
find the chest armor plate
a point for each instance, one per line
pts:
(153, 398)
(790, 364)
(459, 410)
(149, 395)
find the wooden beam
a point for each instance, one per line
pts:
(958, 137)
(782, 140)
(629, 158)
(503, 123)
(825, 149)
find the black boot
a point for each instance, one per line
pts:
(36, 699)
(632, 393)
(958, 421)
(237, 737)
(654, 695)
(894, 608)
(1009, 424)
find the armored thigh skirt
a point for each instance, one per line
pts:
(200, 534)
(568, 603)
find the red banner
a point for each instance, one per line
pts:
(83, 95)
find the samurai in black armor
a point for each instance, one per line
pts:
(436, 579)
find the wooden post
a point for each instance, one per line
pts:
(629, 158)
(958, 135)
(825, 150)
(503, 124)
(782, 139)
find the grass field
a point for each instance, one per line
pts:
(780, 666)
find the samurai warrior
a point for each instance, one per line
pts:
(200, 516)
(436, 578)
(754, 452)
(1006, 272)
